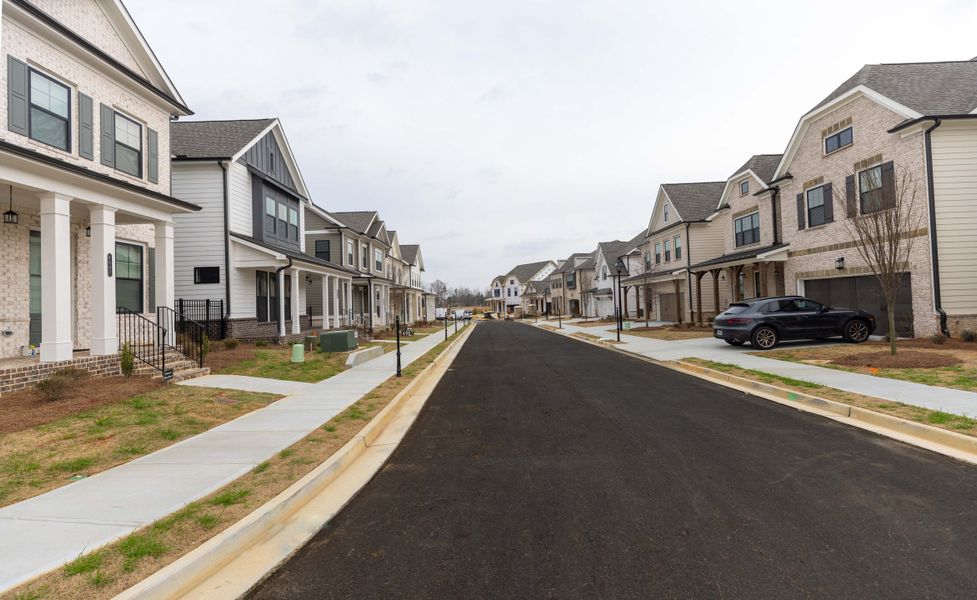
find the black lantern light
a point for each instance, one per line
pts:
(840, 263)
(11, 217)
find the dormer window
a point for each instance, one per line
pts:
(665, 213)
(744, 187)
(838, 140)
(50, 121)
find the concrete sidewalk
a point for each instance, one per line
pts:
(931, 397)
(44, 532)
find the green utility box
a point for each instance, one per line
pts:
(337, 341)
(298, 353)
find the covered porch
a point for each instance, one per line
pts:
(756, 273)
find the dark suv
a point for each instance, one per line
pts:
(764, 322)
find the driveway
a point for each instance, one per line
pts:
(543, 467)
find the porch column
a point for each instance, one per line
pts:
(296, 305)
(55, 277)
(698, 295)
(335, 301)
(715, 290)
(679, 310)
(764, 287)
(281, 303)
(349, 297)
(104, 339)
(325, 302)
(164, 264)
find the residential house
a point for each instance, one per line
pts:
(537, 295)
(680, 231)
(753, 251)
(496, 298)
(88, 220)
(507, 290)
(416, 307)
(609, 290)
(247, 248)
(573, 279)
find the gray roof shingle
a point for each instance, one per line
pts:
(213, 139)
(695, 201)
(359, 221)
(409, 252)
(763, 165)
(525, 272)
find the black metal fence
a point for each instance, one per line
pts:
(183, 334)
(208, 313)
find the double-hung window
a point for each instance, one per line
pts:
(293, 224)
(747, 229)
(744, 187)
(815, 206)
(128, 145)
(365, 256)
(678, 247)
(270, 210)
(50, 106)
(378, 259)
(349, 253)
(668, 250)
(322, 249)
(658, 253)
(665, 213)
(571, 281)
(870, 189)
(838, 140)
(128, 276)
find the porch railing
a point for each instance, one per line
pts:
(144, 338)
(182, 334)
(208, 313)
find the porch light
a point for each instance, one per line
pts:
(308, 279)
(88, 231)
(10, 217)
(840, 263)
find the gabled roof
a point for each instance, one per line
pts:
(523, 273)
(359, 221)
(569, 263)
(214, 139)
(763, 167)
(694, 201)
(409, 252)
(378, 230)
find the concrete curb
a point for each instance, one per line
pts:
(949, 443)
(180, 578)
(365, 355)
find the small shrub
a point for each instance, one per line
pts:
(230, 343)
(938, 339)
(127, 361)
(968, 335)
(261, 342)
(60, 383)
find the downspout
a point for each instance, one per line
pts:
(934, 249)
(773, 214)
(369, 301)
(281, 294)
(227, 246)
(688, 271)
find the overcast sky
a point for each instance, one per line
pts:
(494, 133)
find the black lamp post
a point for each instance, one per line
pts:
(397, 321)
(619, 267)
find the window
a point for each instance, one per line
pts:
(668, 250)
(282, 221)
(571, 281)
(665, 212)
(293, 224)
(364, 256)
(128, 276)
(603, 272)
(349, 252)
(512, 282)
(322, 249)
(270, 210)
(839, 140)
(206, 274)
(678, 247)
(744, 187)
(50, 106)
(870, 189)
(747, 229)
(261, 296)
(378, 259)
(756, 284)
(128, 145)
(741, 284)
(658, 253)
(815, 206)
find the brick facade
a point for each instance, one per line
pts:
(27, 376)
(249, 330)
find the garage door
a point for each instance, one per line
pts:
(667, 306)
(865, 293)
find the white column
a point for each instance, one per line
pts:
(335, 301)
(281, 303)
(164, 264)
(349, 296)
(296, 313)
(104, 327)
(325, 302)
(55, 277)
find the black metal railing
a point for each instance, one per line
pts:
(184, 335)
(208, 313)
(143, 337)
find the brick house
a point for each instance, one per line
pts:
(572, 279)
(88, 222)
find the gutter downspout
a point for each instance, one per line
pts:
(227, 246)
(688, 271)
(774, 192)
(934, 249)
(281, 295)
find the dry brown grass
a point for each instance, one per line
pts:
(128, 561)
(907, 359)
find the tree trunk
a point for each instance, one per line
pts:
(891, 316)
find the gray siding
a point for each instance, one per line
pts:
(266, 156)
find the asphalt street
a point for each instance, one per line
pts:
(543, 467)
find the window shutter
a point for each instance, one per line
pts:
(108, 135)
(800, 211)
(850, 206)
(152, 168)
(829, 204)
(86, 125)
(16, 96)
(888, 185)
(152, 279)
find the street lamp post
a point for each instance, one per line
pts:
(397, 319)
(619, 267)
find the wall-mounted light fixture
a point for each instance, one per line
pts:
(10, 217)
(840, 263)
(88, 231)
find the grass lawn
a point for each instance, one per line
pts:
(43, 457)
(949, 365)
(110, 570)
(670, 333)
(906, 411)
(275, 362)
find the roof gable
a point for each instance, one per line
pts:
(359, 221)
(688, 202)
(528, 271)
(760, 168)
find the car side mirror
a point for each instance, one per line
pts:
(824, 309)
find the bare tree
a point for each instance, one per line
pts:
(883, 225)
(440, 291)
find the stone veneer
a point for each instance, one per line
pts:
(27, 376)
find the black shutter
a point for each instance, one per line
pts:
(829, 204)
(801, 210)
(16, 96)
(888, 185)
(86, 127)
(107, 138)
(152, 166)
(850, 206)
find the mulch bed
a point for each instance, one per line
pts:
(28, 408)
(904, 359)
(219, 357)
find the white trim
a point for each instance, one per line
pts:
(276, 127)
(739, 176)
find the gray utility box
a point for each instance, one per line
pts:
(337, 341)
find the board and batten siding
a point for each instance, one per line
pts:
(239, 196)
(198, 238)
(954, 146)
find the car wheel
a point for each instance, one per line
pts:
(856, 331)
(764, 338)
(734, 342)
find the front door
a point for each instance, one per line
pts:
(34, 336)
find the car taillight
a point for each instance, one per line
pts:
(737, 321)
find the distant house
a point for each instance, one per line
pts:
(610, 292)
(574, 279)
(506, 291)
